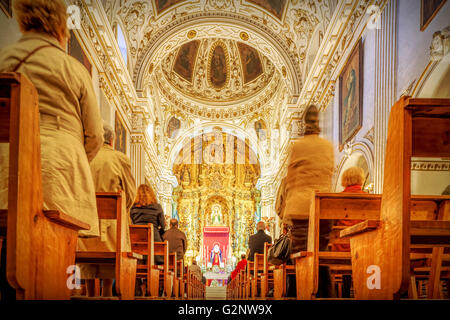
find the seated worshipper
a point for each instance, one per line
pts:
(195, 269)
(111, 171)
(310, 168)
(240, 266)
(71, 132)
(352, 181)
(256, 241)
(146, 210)
(176, 238)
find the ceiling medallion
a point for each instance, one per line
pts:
(191, 34)
(244, 36)
(218, 65)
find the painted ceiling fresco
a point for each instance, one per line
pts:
(219, 70)
(276, 7)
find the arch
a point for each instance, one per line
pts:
(232, 26)
(359, 149)
(435, 80)
(227, 128)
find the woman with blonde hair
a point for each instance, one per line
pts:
(146, 210)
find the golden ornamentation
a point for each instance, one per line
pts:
(230, 186)
(191, 34)
(244, 36)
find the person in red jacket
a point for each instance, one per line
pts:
(352, 181)
(240, 266)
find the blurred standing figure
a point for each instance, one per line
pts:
(111, 171)
(310, 169)
(70, 123)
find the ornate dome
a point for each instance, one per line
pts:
(216, 71)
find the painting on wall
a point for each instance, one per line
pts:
(6, 6)
(428, 9)
(173, 127)
(276, 7)
(218, 66)
(184, 63)
(162, 5)
(251, 63)
(121, 135)
(261, 129)
(350, 96)
(76, 51)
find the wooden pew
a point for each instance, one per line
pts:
(417, 128)
(352, 206)
(40, 244)
(248, 279)
(173, 268)
(267, 275)
(180, 278)
(258, 269)
(142, 242)
(166, 276)
(109, 206)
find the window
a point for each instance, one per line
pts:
(122, 43)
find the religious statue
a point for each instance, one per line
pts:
(216, 215)
(186, 177)
(216, 257)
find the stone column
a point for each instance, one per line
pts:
(385, 85)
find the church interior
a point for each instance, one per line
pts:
(206, 99)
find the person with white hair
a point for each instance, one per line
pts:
(111, 171)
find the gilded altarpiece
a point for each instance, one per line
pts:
(217, 181)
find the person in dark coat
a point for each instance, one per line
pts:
(146, 210)
(176, 238)
(256, 241)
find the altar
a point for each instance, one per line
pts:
(215, 247)
(216, 254)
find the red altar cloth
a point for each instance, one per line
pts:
(215, 236)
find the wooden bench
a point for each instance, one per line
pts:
(258, 269)
(40, 244)
(166, 276)
(328, 206)
(180, 279)
(248, 280)
(173, 266)
(264, 278)
(352, 206)
(417, 128)
(109, 206)
(142, 242)
(195, 287)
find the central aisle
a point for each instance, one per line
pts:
(216, 293)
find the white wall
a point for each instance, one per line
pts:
(413, 44)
